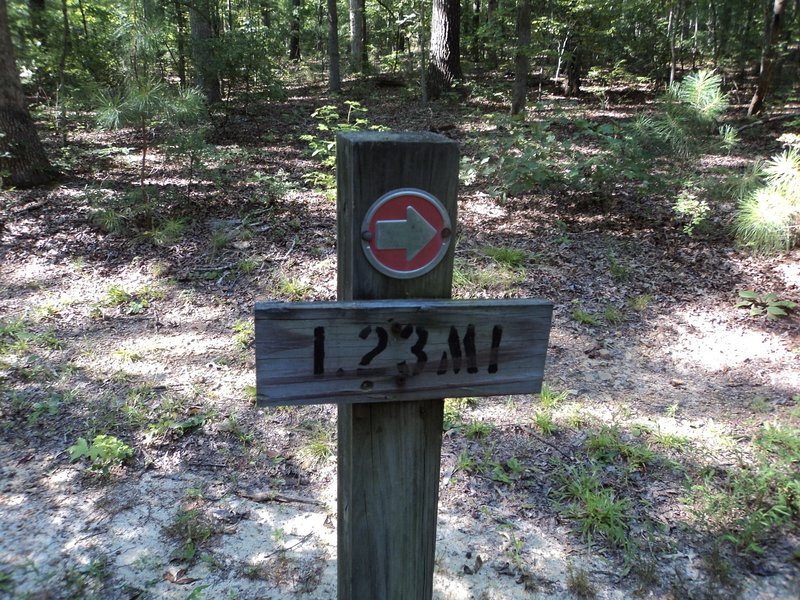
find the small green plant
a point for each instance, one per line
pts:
(549, 398)
(692, 208)
(618, 270)
(598, 512)
(689, 114)
(578, 582)
(768, 218)
(6, 583)
(323, 147)
(477, 429)
(498, 473)
(192, 527)
(607, 446)
(45, 408)
(750, 503)
(249, 265)
(221, 239)
(641, 302)
(760, 404)
(104, 452)
(244, 333)
(765, 304)
(510, 257)
(515, 467)
(318, 448)
(130, 303)
(293, 288)
(671, 440)
(168, 232)
(466, 462)
(544, 421)
(583, 317)
(613, 315)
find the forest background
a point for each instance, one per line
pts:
(166, 163)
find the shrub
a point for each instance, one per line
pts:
(769, 216)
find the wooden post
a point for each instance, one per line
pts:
(389, 452)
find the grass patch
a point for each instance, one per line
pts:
(596, 508)
(751, 503)
(507, 256)
(478, 429)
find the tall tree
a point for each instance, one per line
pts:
(334, 77)
(475, 31)
(444, 68)
(23, 162)
(180, 38)
(768, 57)
(521, 57)
(357, 36)
(491, 21)
(37, 12)
(206, 74)
(294, 31)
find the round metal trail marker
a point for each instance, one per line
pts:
(406, 233)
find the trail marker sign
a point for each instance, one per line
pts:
(406, 233)
(381, 351)
(390, 350)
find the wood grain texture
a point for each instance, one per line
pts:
(379, 351)
(389, 452)
(368, 166)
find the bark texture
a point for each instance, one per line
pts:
(206, 76)
(334, 76)
(444, 68)
(357, 36)
(22, 157)
(521, 58)
(768, 58)
(294, 31)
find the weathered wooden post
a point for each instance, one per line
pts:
(389, 453)
(389, 349)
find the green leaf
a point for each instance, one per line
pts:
(744, 304)
(776, 311)
(756, 311)
(79, 450)
(748, 294)
(787, 304)
(189, 423)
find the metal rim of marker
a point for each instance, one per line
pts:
(417, 232)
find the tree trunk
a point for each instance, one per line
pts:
(38, 28)
(476, 26)
(768, 58)
(294, 31)
(180, 37)
(673, 61)
(491, 49)
(572, 66)
(206, 76)
(334, 77)
(61, 121)
(23, 162)
(444, 68)
(521, 58)
(357, 36)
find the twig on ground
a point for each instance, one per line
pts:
(275, 497)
